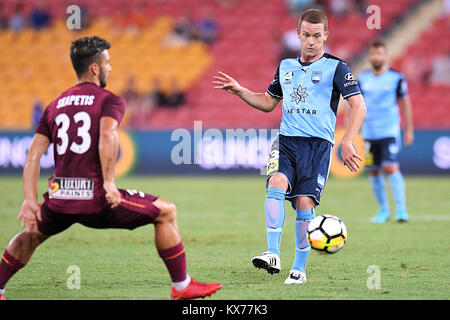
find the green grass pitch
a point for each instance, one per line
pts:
(222, 225)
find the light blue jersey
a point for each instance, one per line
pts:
(380, 94)
(310, 93)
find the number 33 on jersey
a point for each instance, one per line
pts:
(72, 123)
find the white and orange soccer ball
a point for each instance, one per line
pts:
(327, 233)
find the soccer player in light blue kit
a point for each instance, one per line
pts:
(381, 88)
(310, 87)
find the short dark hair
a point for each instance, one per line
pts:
(314, 16)
(378, 44)
(85, 51)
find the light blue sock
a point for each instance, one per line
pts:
(275, 216)
(302, 246)
(398, 190)
(379, 189)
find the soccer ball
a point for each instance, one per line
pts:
(327, 233)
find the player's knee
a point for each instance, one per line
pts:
(27, 239)
(390, 168)
(375, 172)
(169, 212)
(278, 181)
(305, 202)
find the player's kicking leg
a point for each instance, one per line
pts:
(305, 212)
(275, 217)
(17, 255)
(171, 250)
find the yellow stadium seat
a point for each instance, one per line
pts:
(36, 65)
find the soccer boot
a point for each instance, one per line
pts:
(268, 261)
(381, 217)
(194, 290)
(402, 216)
(295, 277)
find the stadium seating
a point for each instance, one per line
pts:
(35, 65)
(430, 100)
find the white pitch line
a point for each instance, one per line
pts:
(411, 218)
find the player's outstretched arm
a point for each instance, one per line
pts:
(357, 114)
(108, 147)
(261, 101)
(30, 210)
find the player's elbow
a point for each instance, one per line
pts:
(106, 138)
(107, 135)
(363, 109)
(33, 154)
(266, 110)
(359, 106)
(269, 107)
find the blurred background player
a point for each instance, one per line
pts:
(382, 87)
(82, 123)
(298, 167)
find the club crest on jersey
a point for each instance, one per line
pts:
(71, 188)
(316, 76)
(288, 77)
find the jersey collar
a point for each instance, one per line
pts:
(305, 64)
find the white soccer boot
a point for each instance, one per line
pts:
(296, 277)
(268, 261)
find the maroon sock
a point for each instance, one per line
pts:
(175, 260)
(8, 267)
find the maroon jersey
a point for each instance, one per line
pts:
(72, 123)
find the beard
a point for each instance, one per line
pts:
(102, 78)
(377, 66)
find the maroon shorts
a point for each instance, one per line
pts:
(135, 210)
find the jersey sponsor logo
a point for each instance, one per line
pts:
(312, 112)
(350, 83)
(288, 77)
(316, 76)
(349, 76)
(299, 94)
(71, 188)
(75, 100)
(350, 80)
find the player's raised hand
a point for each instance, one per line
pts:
(350, 156)
(113, 196)
(29, 213)
(227, 83)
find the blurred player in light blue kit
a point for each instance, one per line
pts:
(382, 87)
(310, 87)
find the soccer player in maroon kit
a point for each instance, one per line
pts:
(82, 124)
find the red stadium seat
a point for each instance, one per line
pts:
(248, 49)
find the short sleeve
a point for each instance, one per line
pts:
(274, 88)
(361, 83)
(402, 88)
(43, 127)
(114, 107)
(345, 81)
